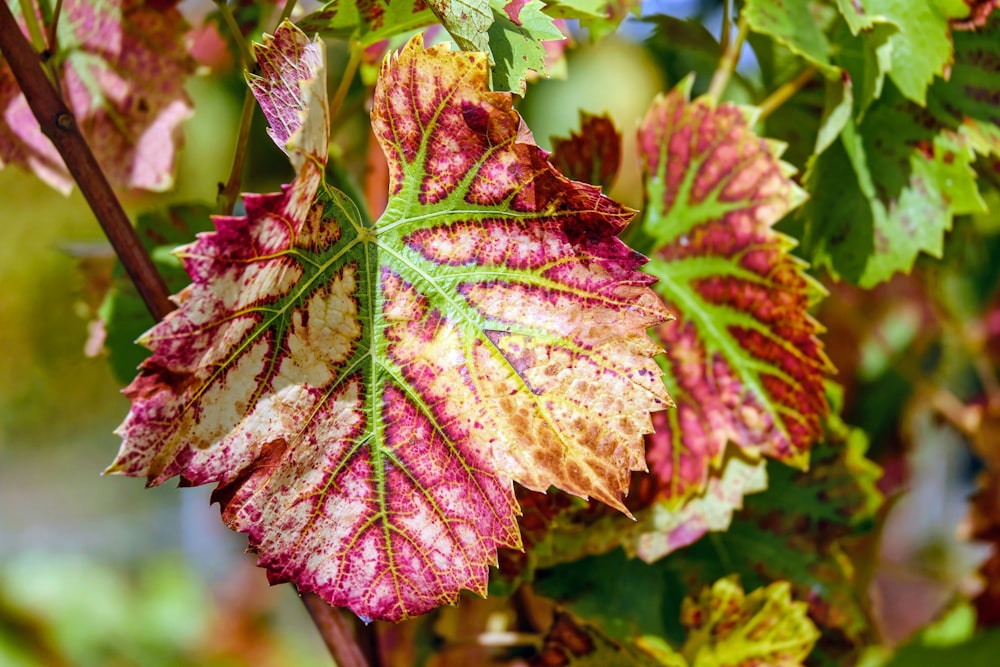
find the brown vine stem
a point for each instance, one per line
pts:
(335, 628)
(727, 63)
(784, 92)
(58, 124)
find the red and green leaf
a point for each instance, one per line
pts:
(743, 362)
(122, 66)
(365, 396)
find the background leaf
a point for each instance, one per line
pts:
(122, 67)
(743, 361)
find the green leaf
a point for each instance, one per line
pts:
(623, 596)
(838, 106)
(516, 37)
(466, 20)
(866, 58)
(922, 48)
(367, 22)
(967, 100)
(599, 17)
(799, 26)
(898, 186)
(511, 31)
(366, 396)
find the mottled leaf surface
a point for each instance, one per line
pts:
(728, 628)
(743, 362)
(899, 181)
(291, 91)
(365, 396)
(122, 66)
(466, 20)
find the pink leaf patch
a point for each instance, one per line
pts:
(122, 69)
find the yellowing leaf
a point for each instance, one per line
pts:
(727, 628)
(365, 395)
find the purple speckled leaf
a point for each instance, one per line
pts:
(365, 396)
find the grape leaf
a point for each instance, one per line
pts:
(922, 47)
(865, 53)
(516, 36)
(291, 91)
(743, 361)
(122, 66)
(599, 17)
(466, 20)
(727, 628)
(899, 184)
(511, 31)
(967, 100)
(593, 155)
(364, 396)
(797, 25)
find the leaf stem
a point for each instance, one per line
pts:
(286, 11)
(727, 25)
(230, 191)
(345, 81)
(727, 63)
(785, 91)
(34, 29)
(58, 124)
(53, 28)
(246, 55)
(335, 628)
